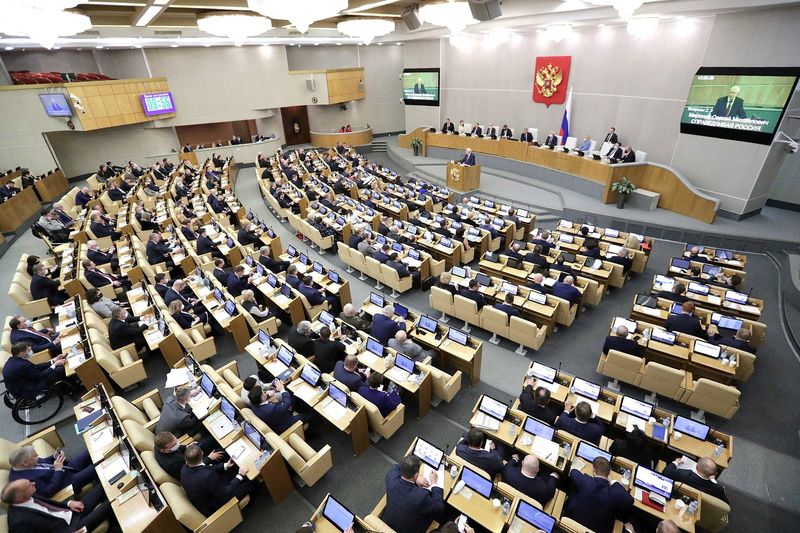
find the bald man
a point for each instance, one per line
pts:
(406, 346)
(667, 526)
(730, 106)
(702, 477)
(622, 343)
(524, 477)
(347, 372)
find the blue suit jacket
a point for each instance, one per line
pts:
(591, 431)
(236, 285)
(293, 281)
(541, 488)
(384, 328)
(278, 416)
(206, 487)
(37, 342)
(48, 480)
(99, 257)
(489, 462)
(384, 401)
(82, 198)
(507, 309)
(595, 503)
(26, 379)
(353, 380)
(205, 245)
(157, 252)
(172, 295)
(570, 294)
(410, 508)
(313, 295)
(468, 159)
(380, 257)
(101, 230)
(629, 346)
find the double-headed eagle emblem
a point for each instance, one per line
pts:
(548, 79)
(455, 174)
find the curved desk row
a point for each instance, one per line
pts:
(240, 152)
(677, 194)
(353, 138)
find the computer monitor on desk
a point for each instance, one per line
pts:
(228, 409)
(539, 520)
(207, 384)
(539, 429)
(338, 395)
(310, 374)
(588, 453)
(652, 481)
(476, 482)
(337, 514)
(428, 324)
(376, 299)
(543, 372)
(689, 427)
(585, 388)
(428, 453)
(374, 347)
(458, 336)
(492, 407)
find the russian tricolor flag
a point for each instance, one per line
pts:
(564, 131)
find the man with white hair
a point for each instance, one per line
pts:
(351, 315)
(622, 343)
(566, 290)
(177, 416)
(65, 219)
(384, 326)
(523, 477)
(730, 106)
(83, 197)
(406, 346)
(469, 158)
(301, 338)
(99, 257)
(622, 259)
(53, 473)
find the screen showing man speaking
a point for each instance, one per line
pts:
(421, 87)
(741, 104)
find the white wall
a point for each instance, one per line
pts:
(50, 61)
(122, 64)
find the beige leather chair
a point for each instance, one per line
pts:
(146, 409)
(526, 333)
(467, 310)
(378, 525)
(383, 426)
(123, 366)
(663, 380)
(160, 475)
(19, 290)
(392, 278)
(715, 514)
(445, 386)
(359, 263)
(307, 463)
(716, 398)
(441, 300)
(621, 367)
(193, 339)
(565, 313)
(140, 436)
(344, 255)
(224, 520)
(312, 310)
(496, 322)
(747, 363)
(374, 271)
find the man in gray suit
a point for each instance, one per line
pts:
(406, 346)
(177, 416)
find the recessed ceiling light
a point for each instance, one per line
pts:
(539, 31)
(56, 48)
(99, 47)
(174, 45)
(9, 48)
(338, 44)
(138, 46)
(316, 44)
(399, 44)
(380, 44)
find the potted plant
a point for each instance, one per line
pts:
(623, 188)
(416, 145)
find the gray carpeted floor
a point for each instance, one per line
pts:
(762, 481)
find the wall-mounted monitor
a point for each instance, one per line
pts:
(56, 104)
(742, 104)
(157, 103)
(421, 86)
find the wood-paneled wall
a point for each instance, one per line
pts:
(345, 85)
(110, 103)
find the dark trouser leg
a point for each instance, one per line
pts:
(84, 471)
(96, 509)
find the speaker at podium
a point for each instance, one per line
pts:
(463, 178)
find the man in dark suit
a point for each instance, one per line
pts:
(551, 140)
(246, 236)
(536, 257)
(508, 306)
(491, 131)
(43, 287)
(206, 245)
(581, 423)
(237, 281)
(469, 158)
(505, 132)
(157, 251)
(702, 477)
(526, 136)
(29, 513)
(382, 255)
(356, 238)
(177, 416)
(271, 264)
(560, 266)
(210, 487)
(292, 276)
(686, 322)
(383, 327)
(695, 255)
(622, 343)
(628, 155)
(524, 477)
(121, 333)
(730, 106)
(536, 402)
(596, 503)
(622, 259)
(99, 257)
(676, 294)
(301, 338)
(410, 506)
(347, 372)
(115, 193)
(187, 231)
(386, 401)
(83, 197)
(611, 136)
(419, 87)
(543, 240)
(274, 407)
(448, 126)
(316, 296)
(219, 272)
(615, 152)
(477, 131)
(471, 450)
(98, 278)
(741, 341)
(53, 473)
(472, 292)
(567, 291)
(537, 284)
(25, 379)
(402, 270)
(162, 284)
(514, 252)
(169, 452)
(22, 330)
(328, 351)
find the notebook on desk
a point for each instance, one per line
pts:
(221, 426)
(484, 421)
(334, 409)
(546, 449)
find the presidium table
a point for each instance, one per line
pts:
(677, 194)
(463, 178)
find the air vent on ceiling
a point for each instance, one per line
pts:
(167, 33)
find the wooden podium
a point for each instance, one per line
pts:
(461, 178)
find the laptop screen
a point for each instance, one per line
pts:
(259, 269)
(726, 322)
(285, 355)
(723, 254)
(476, 482)
(613, 249)
(291, 250)
(334, 277)
(494, 408)
(248, 260)
(373, 346)
(637, 408)
(588, 452)
(326, 318)
(188, 362)
(229, 242)
(337, 514)
(535, 427)
(613, 233)
(653, 481)
(662, 335)
(264, 338)
(272, 280)
(428, 324)
(543, 372)
(683, 264)
(310, 375)
(698, 288)
(318, 267)
(428, 453)
(619, 321)
(533, 516)
(207, 384)
(338, 395)
(736, 297)
(690, 427)
(413, 254)
(707, 349)
(566, 238)
(376, 299)
(218, 295)
(585, 388)
(397, 247)
(537, 297)
(460, 272)
(304, 259)
(252, 434)
(230, 307)
(400, 310)
(228, 409)
(676, 308)
(712, 270)
(483, 279)
(286, 290)
(509, 287)
(458, 336)
(404, 362)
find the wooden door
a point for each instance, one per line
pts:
(295, 125)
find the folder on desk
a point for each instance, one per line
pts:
(546, 449)
(484, 421)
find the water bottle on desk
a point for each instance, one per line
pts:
(692, 509)
(506, 506)
(567, 449)
(718, 450)
(626, 476)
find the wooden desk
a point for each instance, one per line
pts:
(481, 509)
(353, 138)
(463, 178)
(16, 211)
(52, 186)
(696, 448)
(352, 422)
(323, 525)
(420, 390)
